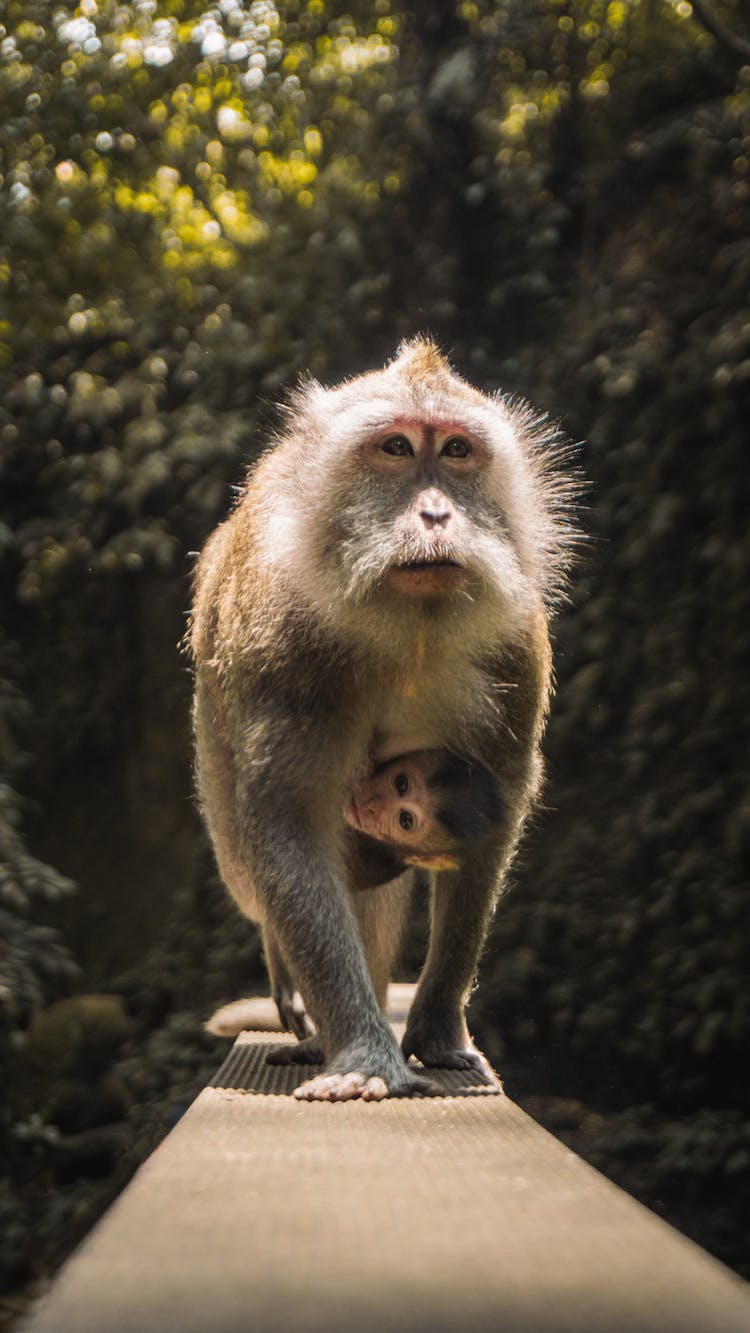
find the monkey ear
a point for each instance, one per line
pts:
(437, 862)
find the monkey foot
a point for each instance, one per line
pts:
(462, 1059)
(346, 1087)
(307, 1052)
(292, 1013)
(341, 1088)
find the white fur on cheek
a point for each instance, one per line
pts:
(281, 537)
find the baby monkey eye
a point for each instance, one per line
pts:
(398, 446)
(406, 819)
(401, 783)
(456, 447)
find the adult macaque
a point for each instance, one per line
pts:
(427, 808)
(380, 588)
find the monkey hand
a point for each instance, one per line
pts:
(367, 1074)
(447, 1046)
(292, 1013)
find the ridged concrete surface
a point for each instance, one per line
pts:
(260, 1214)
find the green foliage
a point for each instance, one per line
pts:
(174, 185)
(34, 962)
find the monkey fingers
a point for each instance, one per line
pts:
(307, 1052)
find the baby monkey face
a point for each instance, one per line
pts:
(394, 805)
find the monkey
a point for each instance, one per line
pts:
(383, 585)
(425, 808)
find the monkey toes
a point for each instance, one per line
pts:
(346, 1087)
(307, 1052)
(469, 1060)
(467, 1057)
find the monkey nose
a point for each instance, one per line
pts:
(434, 518)
(434, 510)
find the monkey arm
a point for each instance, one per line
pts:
(370, 864)
(300, 885)
(265, 765)
(463, 900)
(462, 903)
(288, 1000)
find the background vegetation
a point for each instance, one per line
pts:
(198, 203)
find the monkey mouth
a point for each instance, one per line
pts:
(429, 564)
(430, 578)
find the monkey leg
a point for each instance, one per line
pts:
(300, 886)
(307, 1052)
(291, 1007)
(436, 1032)
(381, 915)
(289, 1002)
(216, 779)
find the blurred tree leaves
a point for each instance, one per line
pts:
(200, 202)
(165, 174)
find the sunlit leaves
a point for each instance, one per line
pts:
(162, 164)
(200, 89)
(163, 161)
(593, 50)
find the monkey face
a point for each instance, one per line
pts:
(426, 468)
(419, 517)
(393, 804)
(408, 486)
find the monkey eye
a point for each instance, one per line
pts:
(456, 447)
(406, 819)
(401, 783)
(398, 446)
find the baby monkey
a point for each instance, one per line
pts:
(427, 807)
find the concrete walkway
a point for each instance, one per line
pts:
(260, 1214)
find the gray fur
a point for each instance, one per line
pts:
(308, 657)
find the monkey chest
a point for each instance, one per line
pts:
(425, 709)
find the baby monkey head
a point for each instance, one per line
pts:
(428, 806)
